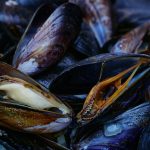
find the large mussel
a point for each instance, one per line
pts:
(108, 86)
(51, 41)
(120, 133)
(27, 106)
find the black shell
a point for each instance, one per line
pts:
(50, 42)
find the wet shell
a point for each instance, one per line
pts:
(51, 41)
(131, 41)
(97, 14)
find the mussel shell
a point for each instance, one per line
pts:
(144, 141)
(77, 80)
(97, 14)
(22, 118)
(86, 43)
(82, 76)
(12, 140)
(120, 133)
(71, 57)
(55, 40)
(38, 18)
(6, 69)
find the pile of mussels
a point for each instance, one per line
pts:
(74, 74)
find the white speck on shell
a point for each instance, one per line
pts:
(28, 67)
(112, 129)
(11, 3)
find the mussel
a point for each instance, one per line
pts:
(50, 42)
(107, 91)
(108, 86)
(46, 77)
(131, 12)
(130, 42)
(97, 13)
(27, 106)
(120, 133)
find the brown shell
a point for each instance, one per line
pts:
(130, 42)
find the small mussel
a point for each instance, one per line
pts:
(131, 41)
(97, 14)
(120, 133)
(144, 141)
(50, 42)
(27, 106)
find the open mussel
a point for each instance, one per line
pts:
(131, 41)
(27, 106)
(120, 133)
(107, 91)
(97, 14)
(50, 42)
(108, 86)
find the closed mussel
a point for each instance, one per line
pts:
(50, 42)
